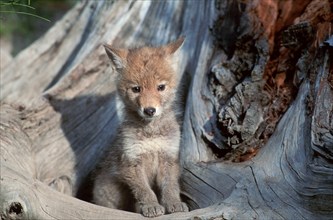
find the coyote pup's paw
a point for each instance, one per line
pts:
(152, 210)
(176, 207)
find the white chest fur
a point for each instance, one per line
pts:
(134, 148)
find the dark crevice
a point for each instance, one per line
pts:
(15, 209)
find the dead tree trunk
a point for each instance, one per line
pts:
(258, 106)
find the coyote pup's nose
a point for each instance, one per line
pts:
(149, 111)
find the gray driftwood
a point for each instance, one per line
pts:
(59, 110)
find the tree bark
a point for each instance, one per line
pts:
(257, 82)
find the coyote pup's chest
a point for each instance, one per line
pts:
(150, 147)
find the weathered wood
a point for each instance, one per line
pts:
(68, 111)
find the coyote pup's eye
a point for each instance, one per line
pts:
(136, 89)
(161, 87)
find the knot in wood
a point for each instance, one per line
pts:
(15, 210)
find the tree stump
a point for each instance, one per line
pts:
(257, 88)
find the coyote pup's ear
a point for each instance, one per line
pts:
(172, 47)
(117, 56)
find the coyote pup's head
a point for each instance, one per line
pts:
(147, 77)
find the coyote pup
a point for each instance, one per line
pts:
(143, 163)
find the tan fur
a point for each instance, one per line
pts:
(141, 170)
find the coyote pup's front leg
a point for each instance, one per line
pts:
(167, 179)
(138, 182)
